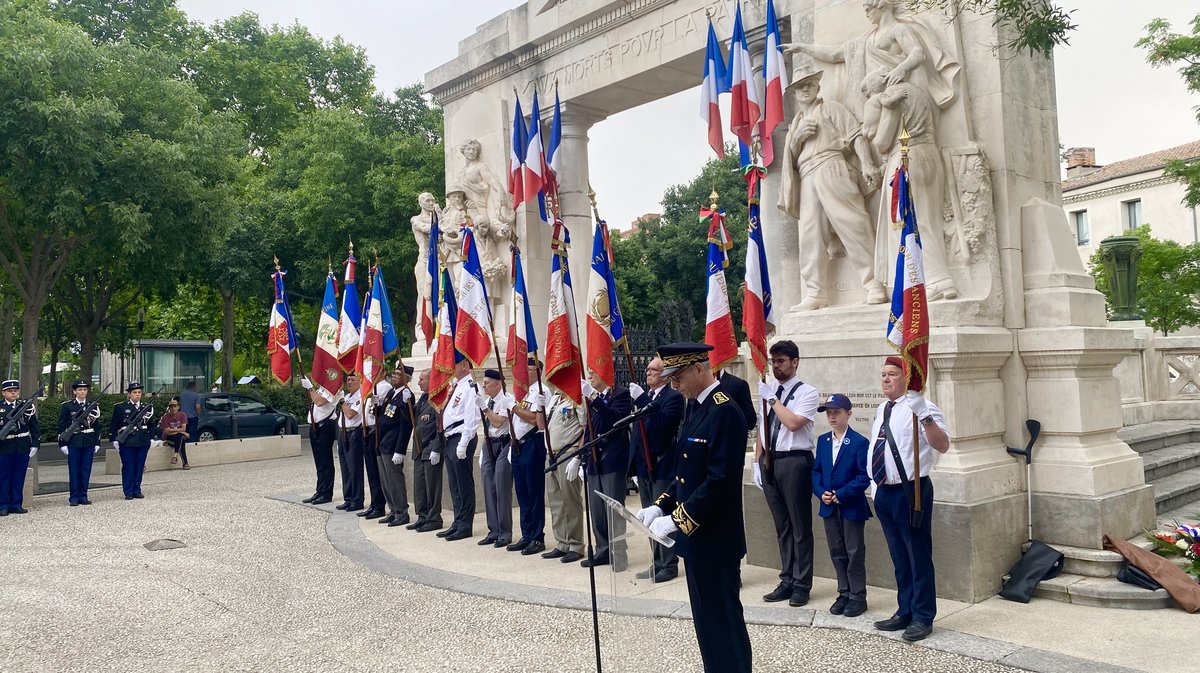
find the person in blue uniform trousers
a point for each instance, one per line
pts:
(350, 447)
(840, 481)
(703, 507)
(608, 405)
(909, 534)
(528, 464)
(653, 437)
(83, 445)
(132, 413)
(16, 448)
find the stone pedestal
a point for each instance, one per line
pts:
(30, 485)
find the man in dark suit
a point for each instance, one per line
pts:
(657, 429)
(608, 405)
(840, 481)
(395, 412)
(704, 503)
(427, 462)
(132, 414)
(739, 393)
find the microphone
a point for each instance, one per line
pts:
(636, 415)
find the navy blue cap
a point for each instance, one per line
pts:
(133, 385)
(835, 401)
(492, 374)
(676, 356)
(80, 383)
(11, 384)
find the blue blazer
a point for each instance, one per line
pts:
(848, 478)
(661, 428)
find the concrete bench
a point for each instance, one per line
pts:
(217, 452)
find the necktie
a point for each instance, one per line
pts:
(878, 472)
(492, 404)
(773, 422)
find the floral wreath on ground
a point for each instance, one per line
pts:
(1182, 541)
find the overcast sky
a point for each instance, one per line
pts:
(1108, 97)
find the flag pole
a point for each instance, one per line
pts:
(412, 414)
(299, 359)
(916, 449)
(624, 340)
(751, 199)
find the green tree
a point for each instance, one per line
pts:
(1167, 48)
(151, 24)
(1036, 26)
(1168, 282)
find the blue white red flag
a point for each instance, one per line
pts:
(564, 359)
(282, 336)
(605, 328)
(522, 340)
(758, 314)
(908, 322)
(379, 337)
(326, 373)
(516, 157)
(553, 158)
(718, 328)
(472, 334)
(429, 307)
(534, 175)
(745, 108)
(445, 355)
(716, 82)
(349, 318)
(775, 76)
(359, 367)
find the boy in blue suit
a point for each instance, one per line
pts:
(840, 481)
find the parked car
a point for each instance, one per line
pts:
(233, 415)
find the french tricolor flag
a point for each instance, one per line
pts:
(553, 158)
(564, 360)
(605, 327)
(718, 330)
(349, 319)
(534, 174)
(758, 314)
(775, 74)
(745, 109)
(522, 340)
(516, 157)
(445, 356)
(282, 335)
(472, 336)
(908, 323)
(715, 83)
(325, 370)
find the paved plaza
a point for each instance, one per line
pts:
(266, 584)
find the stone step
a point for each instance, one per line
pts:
(1101, 592)
(1175, 491)
(1159, 434)
(1095, 562)
(1170, 460)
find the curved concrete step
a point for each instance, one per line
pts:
(1159, 434)
(1170, 460)
(1102, 593)
(1176, 490)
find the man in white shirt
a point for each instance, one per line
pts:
(908, 532)
(495, 468)
(784, 452)
(460, 423)
(371, 442)
(322, 431)
(529, 463)
(350, 447)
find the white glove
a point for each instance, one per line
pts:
(481, 459)
(305, 383)
(481, 402)
(647, 515)
(757, 476)
(461, 450)
(663, 526)
(397, 458)
(540, 400)
(917, 403)
(96, 450)
(636, 391)
(155, 443)
(573, 469)
(635, 483)
(33, 451)
(434, 457)
(588, 391)
(63, 448)
(509, 456)
(765, 391)
(116, 444)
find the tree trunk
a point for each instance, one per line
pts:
(227, 381)
(31, 349)
(87, 354)
(52, 388)
(6, 341)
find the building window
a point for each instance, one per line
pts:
(1080, 221)
(1133, 214)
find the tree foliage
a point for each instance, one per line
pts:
(1167, 48)
(1168, 281)
(1036, 26)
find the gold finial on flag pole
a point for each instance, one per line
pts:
(713, 198)
(276, 262)
(904, 138)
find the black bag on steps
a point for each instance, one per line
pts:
(1040, 562)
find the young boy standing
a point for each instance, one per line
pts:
(840, 481)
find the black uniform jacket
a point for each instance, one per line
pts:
(125, 412)
(660, 428)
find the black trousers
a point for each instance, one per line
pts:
(371, 460)
(717, 615)
(350, 455)
(321, 437)
(427, 491)
(462, 483)
(788, 490)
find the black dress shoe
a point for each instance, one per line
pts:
(665, 575)
(519, 545)
(893, 623)
(486, 541)
(309, 499)
(428, 526)
(129, 497)
(460, 535)
(839, 606)
(415, 525)
(554, 553)
(374, 514)
(387, 519)
(446, 533)
(354, 508)
(644, 574)
(139, 496)
(917, 631)
(535, 547)
(17, 510)
(321, 501)
(74, 504)
(501, 543)
(799, 598)
(595, 561)
(397, 522)
(782, 592)
(85, 502)
(855, 608)
(342, 506)
(4, 512)
(571, 557)
(365, 512)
